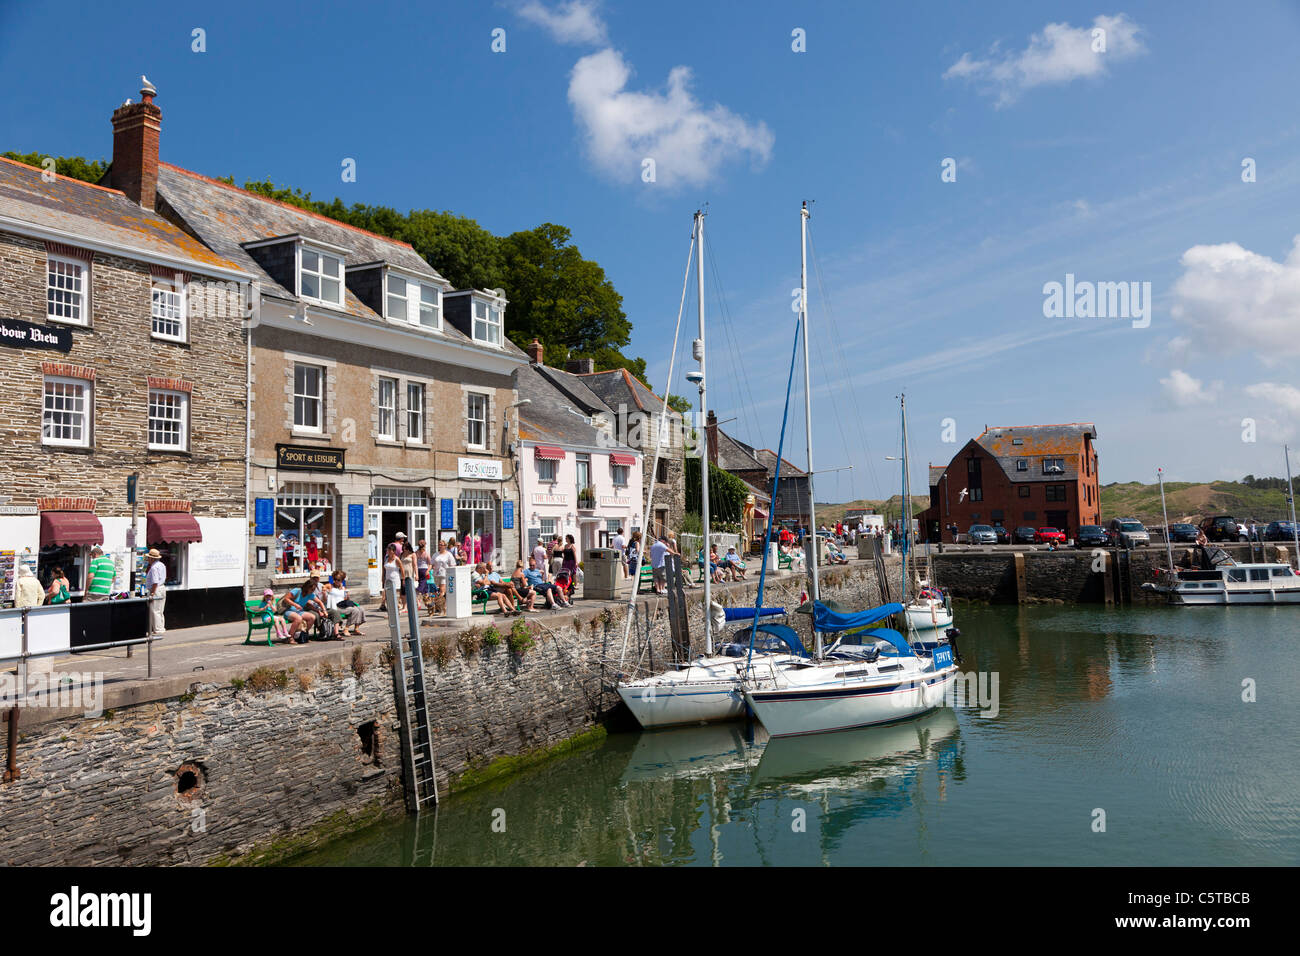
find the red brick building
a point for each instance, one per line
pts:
(1020, 475)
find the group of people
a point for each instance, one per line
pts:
(428, 570)
(296, 612)
(100, 576)
(520, 591)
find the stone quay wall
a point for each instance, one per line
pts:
(247, 764)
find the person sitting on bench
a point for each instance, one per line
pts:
(553, 595)
(481, 582)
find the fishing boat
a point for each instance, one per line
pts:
(1219, 580)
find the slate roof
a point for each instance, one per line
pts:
(936, 473)
(617, 386)
(100, 215)
(1036, 443)
(735, 455)
(226, 217)
(550, 415)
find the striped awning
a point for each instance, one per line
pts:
(617, 459)
(548, 453)
(69, 528)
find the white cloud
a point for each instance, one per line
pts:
(571, 21)
(688, 142)
(1183, 390)
(1059, 54)
(1283, 398)
(1230, 298)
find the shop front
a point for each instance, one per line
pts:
(392, 510)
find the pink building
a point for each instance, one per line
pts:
(574, 477)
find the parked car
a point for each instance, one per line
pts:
(982, 534)
(1023, 536)
(1223, 528)
(1044, 535)
(1182, 531)
(1280, 531)
(1091, 536)
(1004, 536)
(1128, 533)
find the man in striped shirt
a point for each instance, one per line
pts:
(99, 580)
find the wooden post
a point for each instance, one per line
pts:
(1107, 582)
(1022, 584)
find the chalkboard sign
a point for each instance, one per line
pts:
(507, 514)
(265, 516)
(356, 521)
(448, 516)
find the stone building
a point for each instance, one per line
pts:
(757, 468)
(124, 355)
(575, 476)
(383, 402)
(638, 416)
(1020, 475)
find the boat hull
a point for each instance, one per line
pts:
(793, 710)
(928, 618)
(674, 705)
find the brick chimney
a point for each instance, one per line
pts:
(582, 366)
(711, 435)
(535, 352)
(136, 130)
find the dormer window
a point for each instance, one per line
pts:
(430, 306)
(321, 276)
(397, 305)
(487, 322)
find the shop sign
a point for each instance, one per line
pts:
(218, 561)
(17, 509)
(25, 335)
(507, 514)
(448, 516)
(264, 512)
(541, 498)
(356, 521)
(480, 468)
(303, 458)
(614, 501)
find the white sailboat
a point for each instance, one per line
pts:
(929, 609)
(708, 688)
(880, 680)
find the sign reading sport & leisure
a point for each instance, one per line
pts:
(301, 458)
(24, 335)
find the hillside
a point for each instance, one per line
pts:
(1189, 501)
(828, 513)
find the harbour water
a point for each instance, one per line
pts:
(1132, 717)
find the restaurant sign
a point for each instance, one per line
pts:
(24, 335)
(300, 458)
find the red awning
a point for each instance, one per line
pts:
(172, 527)
(70, 528)
(628, 460)
(759, 512)
(548, 453)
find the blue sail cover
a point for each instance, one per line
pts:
(824, 619)
(747, 613)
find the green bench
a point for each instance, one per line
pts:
(255, 622)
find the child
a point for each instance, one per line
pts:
(267, 610)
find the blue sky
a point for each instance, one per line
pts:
(1123, 165)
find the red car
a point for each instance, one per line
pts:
(1044, 535)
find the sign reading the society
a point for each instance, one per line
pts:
(300, 458)
(479, 468)
(25, 335)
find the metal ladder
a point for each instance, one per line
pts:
(412, 702)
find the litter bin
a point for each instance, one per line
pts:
(866, 547)
(458, 591)
(600, 574)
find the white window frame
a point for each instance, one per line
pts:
(184, 419)
(549, 526)
(547, 470)
(435, 308)
(619, 474)
(471, 420)
(321, 276)
(318, 398)
(168, 288)
(82, 296)
(404, 315)
(389, 409)
(489, 324)
(87, 412)
(415, 413)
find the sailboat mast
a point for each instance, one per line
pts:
(704, 415)
(1164, 510)
(1290, 497)
(814, 591)
(906, 503)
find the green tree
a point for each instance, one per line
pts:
(74, 167)
(680, 405)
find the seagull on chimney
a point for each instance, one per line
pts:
(146, 87)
